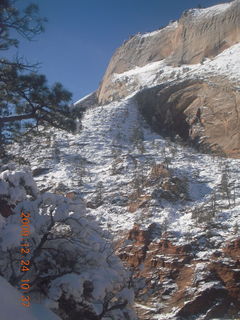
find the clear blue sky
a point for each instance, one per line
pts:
(81, 35)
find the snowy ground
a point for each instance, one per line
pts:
(12, 309)
(106, 144)
(101, 162)
(88, 161)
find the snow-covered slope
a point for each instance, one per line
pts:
(225, 64)
(169, 212)
(210, 12)
(199, 34)
(107, 143)
(116, 148)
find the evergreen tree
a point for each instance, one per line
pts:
(26, 100)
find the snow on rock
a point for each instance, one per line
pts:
(100, 183)
(208, 12)
(107, 136)
(225, 64)
(11, 307)
(99, 166)
(172, 25)
(68, 250)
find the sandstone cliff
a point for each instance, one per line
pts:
(187, 67)
(173, 109)
(198, 34)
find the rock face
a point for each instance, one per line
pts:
(174, 277)
(86, 102)
(205, 112)
(197, 35)
(201, 105)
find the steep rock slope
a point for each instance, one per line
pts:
(173, 213)
(206, 113)
(195, 60)
(199, 33)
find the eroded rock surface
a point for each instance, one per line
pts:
(204, 112)
(170, 276)
(177, 92)
(195, 36)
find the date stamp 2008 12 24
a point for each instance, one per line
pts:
(24, 261)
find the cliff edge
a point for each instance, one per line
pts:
(185, 77)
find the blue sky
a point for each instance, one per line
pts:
(82, 35)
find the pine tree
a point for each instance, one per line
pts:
(26, 100)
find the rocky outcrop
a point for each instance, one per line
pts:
(198, 34)
(165, 186)
(172, 275)
(86, 102)
(205, 113)
(233, 250)
(39, 171)
(203, 108)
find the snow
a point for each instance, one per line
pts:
(41, 312)
(194, 14)
(225, 64)
(15, 185)
(88, 256)
(11, 236)
(11, 307)
(107, 130)
(209, 12)
(72, 284)
(209, 285)
(83, 98)
(104, 152)
(167, 316)
(172, 25)
(144, 307)
(3, 188)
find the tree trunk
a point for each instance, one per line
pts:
(17, 117)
